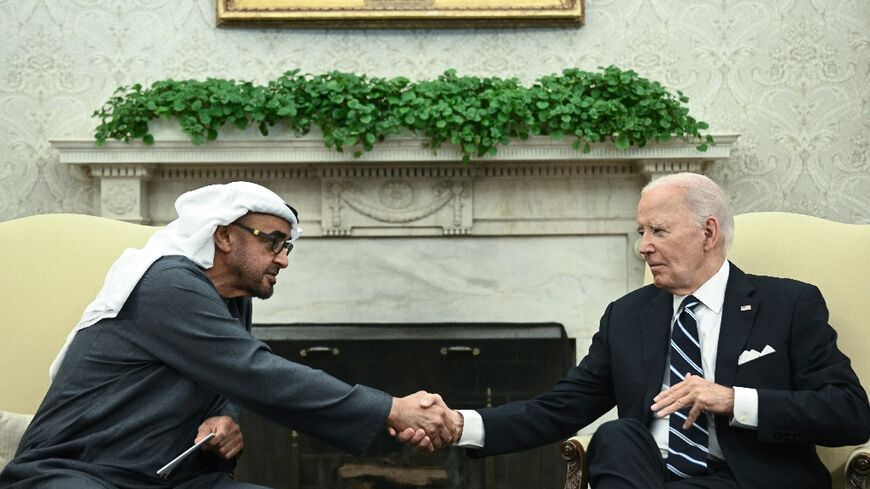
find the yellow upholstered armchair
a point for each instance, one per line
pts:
(831, 255)
(52, 266)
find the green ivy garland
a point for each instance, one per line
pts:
(476, 114)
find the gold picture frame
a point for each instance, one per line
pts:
(399, 13)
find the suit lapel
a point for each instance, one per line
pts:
(655, 334)
(737, 321)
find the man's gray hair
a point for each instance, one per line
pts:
(703, 198)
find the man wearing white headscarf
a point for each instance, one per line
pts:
(164, 353)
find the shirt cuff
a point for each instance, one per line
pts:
(472, 429)
(745, 408)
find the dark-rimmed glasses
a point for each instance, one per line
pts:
(278, 243)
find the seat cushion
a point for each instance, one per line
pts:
(12, 426)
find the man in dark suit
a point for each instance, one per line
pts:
(721, 379)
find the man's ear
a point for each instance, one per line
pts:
(711, 233)
(222, 239)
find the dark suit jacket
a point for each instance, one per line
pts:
(808, 393)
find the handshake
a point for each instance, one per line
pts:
(424, 421)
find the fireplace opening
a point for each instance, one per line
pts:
(471, 365)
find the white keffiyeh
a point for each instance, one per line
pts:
(200, 212)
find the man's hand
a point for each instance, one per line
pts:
(422, 420)
(227, 441)
(418, 438)
(697, 392)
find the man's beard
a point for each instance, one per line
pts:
(252, 281)
(262, 292)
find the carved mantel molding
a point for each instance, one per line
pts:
(401, 188)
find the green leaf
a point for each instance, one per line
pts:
(287, 110)
(622, 142)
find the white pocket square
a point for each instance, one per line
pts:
(750, 355)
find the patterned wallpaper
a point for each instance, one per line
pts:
(791, 76)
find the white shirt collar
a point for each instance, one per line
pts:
(712, 292)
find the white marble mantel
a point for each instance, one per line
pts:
(401, 187)
(539, 232)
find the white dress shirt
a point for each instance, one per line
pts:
(709, 317)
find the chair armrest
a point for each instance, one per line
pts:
(574, 454)
(858, 467)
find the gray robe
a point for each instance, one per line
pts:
(133, 390)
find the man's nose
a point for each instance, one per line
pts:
(282, 259)
(645, 246)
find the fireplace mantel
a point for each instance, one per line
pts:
(401, 188)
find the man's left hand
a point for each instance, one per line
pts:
(698, 393)
(227, 441)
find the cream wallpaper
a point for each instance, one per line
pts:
(791, 76)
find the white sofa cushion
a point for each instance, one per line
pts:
(12, 426)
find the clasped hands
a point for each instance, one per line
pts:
(699, 394)
(424, 421)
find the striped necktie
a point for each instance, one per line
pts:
(687, 449)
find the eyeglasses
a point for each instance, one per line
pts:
(278, 242)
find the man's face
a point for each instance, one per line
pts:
(253, 264)
(671, 242)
